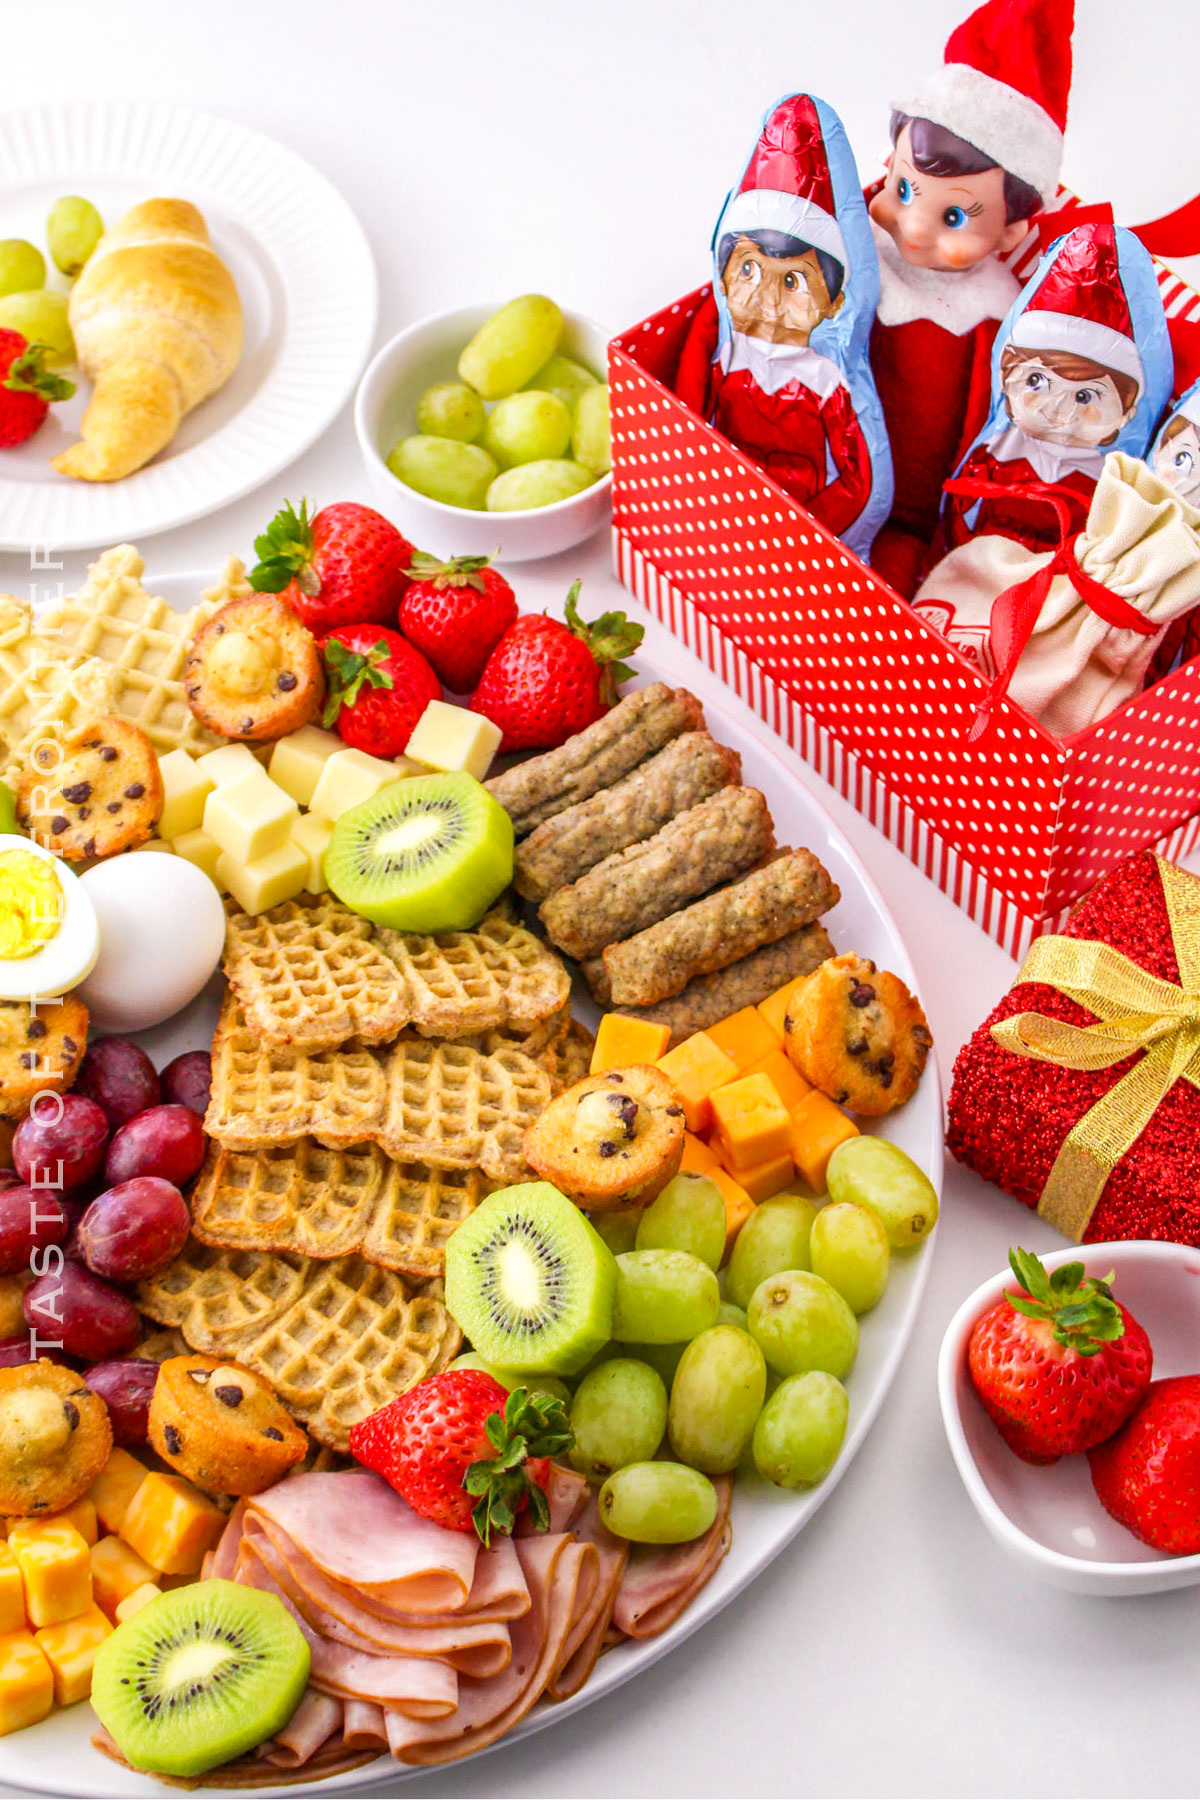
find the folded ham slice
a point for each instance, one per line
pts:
(660, 1581)
(312, 1724)
(364, 1727)
(333, 1758)
(591, 1623)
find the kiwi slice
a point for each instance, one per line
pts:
(531, 1282)
(199, 1676)
(427, 854)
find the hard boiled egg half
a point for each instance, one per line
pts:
(49, 934)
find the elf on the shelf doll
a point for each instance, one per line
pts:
(1176, 452)
(776, 357)
(1082, 365)
(977, 152)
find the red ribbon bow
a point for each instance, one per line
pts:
(1015, 612)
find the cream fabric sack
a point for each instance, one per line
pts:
(1141, 542)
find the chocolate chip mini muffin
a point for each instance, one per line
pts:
(610, 1141)
(221, 1426)
(40, 1048)
(857, 1033)
(253, 671)
(95, 794)
(55, 1437)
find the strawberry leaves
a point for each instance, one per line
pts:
(28, 374)
(349, 671)
(456, 572)
(609, 638)
(1078, 1307)
(532, 1425)
(285, 552)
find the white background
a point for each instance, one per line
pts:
(493, 148)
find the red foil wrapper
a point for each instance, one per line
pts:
(1008, 1115)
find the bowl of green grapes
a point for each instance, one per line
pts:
(488, 427)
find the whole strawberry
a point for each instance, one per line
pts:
(344, 566)
(1059, 1365)
(1148, 1475)
(27, 389)
(377, 688)
(456, 612)
(545, 681)
(465, 1454)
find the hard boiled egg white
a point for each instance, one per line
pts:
(49, 937)
(162, 931)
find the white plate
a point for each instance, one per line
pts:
(57, 1757)
(303, 269)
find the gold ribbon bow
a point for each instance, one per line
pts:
(1134, 1011)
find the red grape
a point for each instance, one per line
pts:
(125, 1386)
(186, 1081)
(60, 1148)
(118, 1075)
(135, 1229)
(166, 1141)
(30, 1218)
(87, 1317)
(9, 1178)
(15, 1351)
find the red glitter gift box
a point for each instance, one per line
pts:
(1009, 1116)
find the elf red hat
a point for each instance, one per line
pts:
(1004, 87)
(787, 185)
(1080, 306)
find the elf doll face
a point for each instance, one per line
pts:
(1177, 461)
(1079, 411)
(947, 222)
(779, 298)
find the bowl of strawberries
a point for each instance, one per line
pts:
(1070, 1395)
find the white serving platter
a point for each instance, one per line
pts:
(304, 271)
(56, 1757)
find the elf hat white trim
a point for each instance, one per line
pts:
(1188, 409)
(1079, 337)
(998, 119)
(770, 209)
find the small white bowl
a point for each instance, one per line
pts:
(385, 410)
(1049, 1519)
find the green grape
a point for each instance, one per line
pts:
(729, 1314)
(618, 1227)
(774, 1237)
(563, 377)
(449, 409)
(511, 346)
(512, 1378)
(689, 1214)
(871, 1172)
(526, 428)
(41, 318)
(618, 1416)
(22, 266)
(441, 469)
(658, 1503)
(800, 1430)
(802, 1323)
(73, 229)
(850, 1250)
(663, 1297)
(716, 1396)
(537, 484)
(591, 440)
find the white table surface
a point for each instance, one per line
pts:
(494, 149)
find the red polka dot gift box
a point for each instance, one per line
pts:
(1080, 1093)
(1014, 827)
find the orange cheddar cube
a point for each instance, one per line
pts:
(26, 1683)
(696, 1067)
(70, 1649)
(55, 1570)
(622, 1042)
(133, 1603)
(784, 1077)
(751, 1121)
(766, 1178)
(116, 1572)
(12, 1593)
(817, 1128)
(81, 1514)
(170, 1524)
(774, 1008)
(738, 1205)
(115, 1486)
(745, 1037)
(697, 1158)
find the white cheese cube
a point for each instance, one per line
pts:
(154, 844)
(312, 834)
(197, 847)
(350, 776)
(297, 760)
(449, 737)
(249, 817)
(279, 875)
(229, 763)
(185, 789)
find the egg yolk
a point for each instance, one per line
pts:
(31, 903)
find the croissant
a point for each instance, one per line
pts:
(158, 328)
